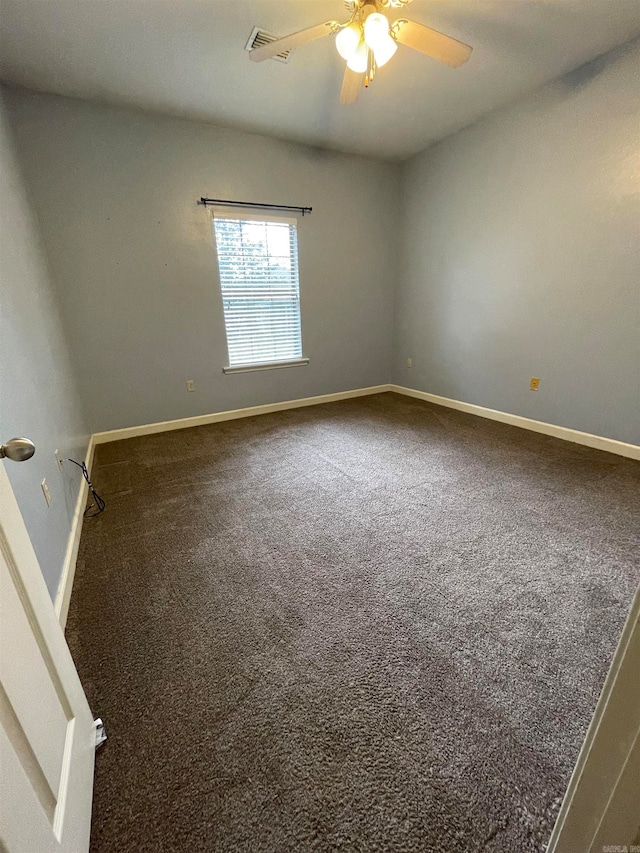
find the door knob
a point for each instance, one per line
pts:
(18, 449)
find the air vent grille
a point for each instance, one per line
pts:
(259, 37)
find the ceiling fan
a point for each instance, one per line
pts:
(367, 42)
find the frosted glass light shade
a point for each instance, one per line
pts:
(376, 30)
(385, 51)
(347, 40)
(358, 61)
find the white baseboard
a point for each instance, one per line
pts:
(621, 448)
(63, 595)
(233, 414)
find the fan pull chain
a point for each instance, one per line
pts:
(371, 68)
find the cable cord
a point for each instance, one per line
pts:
(98, 504)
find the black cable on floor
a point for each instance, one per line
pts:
(98, 504)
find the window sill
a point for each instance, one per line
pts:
(270, 365)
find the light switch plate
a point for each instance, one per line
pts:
(46, 492)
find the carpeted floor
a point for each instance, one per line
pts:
(374, 625)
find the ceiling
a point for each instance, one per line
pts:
(187, 58)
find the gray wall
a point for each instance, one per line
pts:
(38, 394)
(520, 256)
(134, 260)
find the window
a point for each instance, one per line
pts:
(258, 264)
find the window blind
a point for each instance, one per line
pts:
(258, 265)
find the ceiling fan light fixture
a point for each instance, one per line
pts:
(385, 51)
(360, 58)
(347, 40)
(376, 30)
(366, 42)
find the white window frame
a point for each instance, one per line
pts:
(256, 216)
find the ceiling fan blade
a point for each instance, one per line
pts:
(351, 85)
(431, 42)
(292, 40)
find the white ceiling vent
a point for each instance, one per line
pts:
(258, 37)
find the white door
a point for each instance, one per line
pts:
(47, 735)
(601, 808)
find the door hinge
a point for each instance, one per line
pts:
(101, 734)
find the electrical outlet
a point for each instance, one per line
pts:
(46, 492)
(59, 461)
(409, 362)
(191, 385)
(534, 384)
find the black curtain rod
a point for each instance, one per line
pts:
(213, 201)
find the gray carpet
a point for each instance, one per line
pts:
(374, 625)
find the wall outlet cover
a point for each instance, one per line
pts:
(191, 385)
(534, 384)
